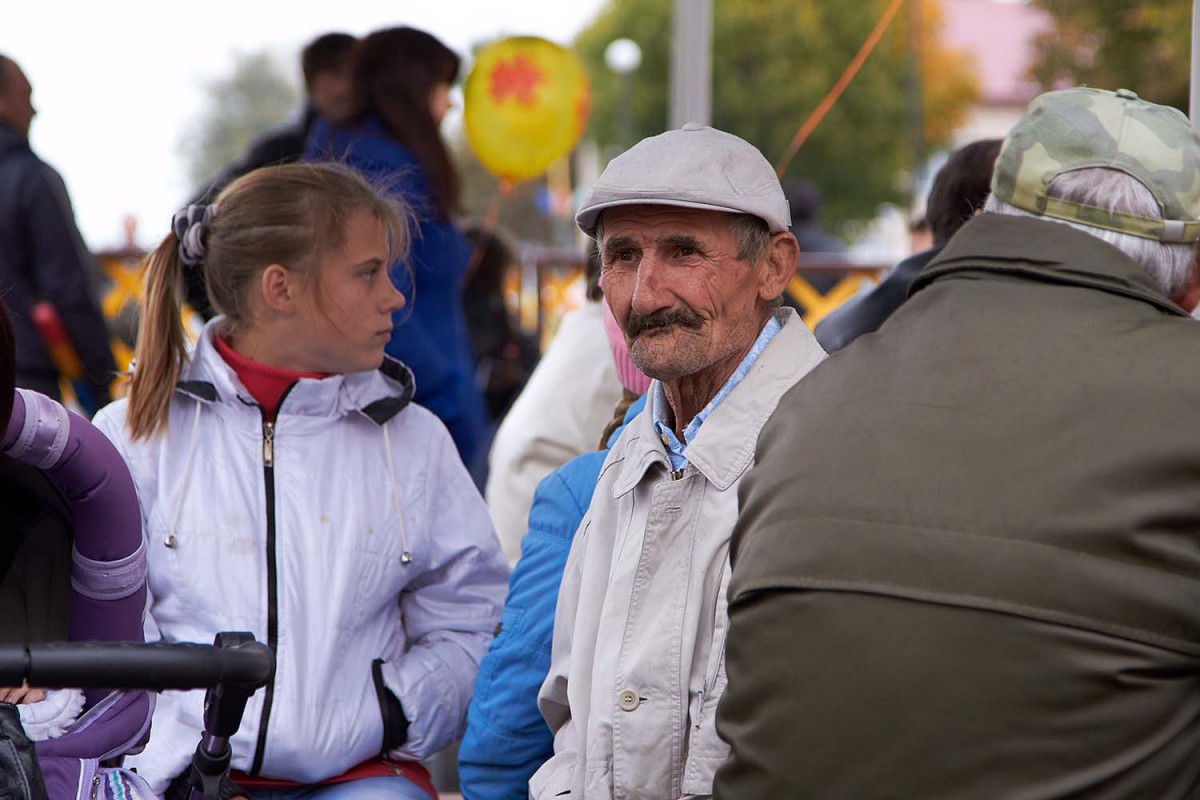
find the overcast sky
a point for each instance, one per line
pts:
(116, 83)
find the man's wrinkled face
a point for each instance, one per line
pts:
(676, 286)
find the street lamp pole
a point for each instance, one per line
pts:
(623, 57)
(691, 63)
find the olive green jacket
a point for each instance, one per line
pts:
(968, 557)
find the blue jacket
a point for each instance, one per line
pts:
(507, 739)
(430, 334)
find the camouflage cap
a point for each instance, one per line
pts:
(1080, 128)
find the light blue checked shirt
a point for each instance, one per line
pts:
(659, 410)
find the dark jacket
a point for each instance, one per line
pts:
(865, 314)
(43, 257)
(968, 561)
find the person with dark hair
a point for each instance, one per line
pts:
(325, 62)
(505, 355)
(292, 488)
(401, 82)
(959, 191)
(43, 256)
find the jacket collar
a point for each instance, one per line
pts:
(1043, 250)
(11, 140)
(725, 444)
(376, 394)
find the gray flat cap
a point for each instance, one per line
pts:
(693, 167)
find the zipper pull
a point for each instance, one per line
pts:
(268, 444)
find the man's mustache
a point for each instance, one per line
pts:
(637, 324)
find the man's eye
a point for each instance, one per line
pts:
(687, 251)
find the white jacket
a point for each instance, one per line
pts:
(300, 534)
(560, 414)
(638, 660)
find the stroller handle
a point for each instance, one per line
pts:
(246, 663)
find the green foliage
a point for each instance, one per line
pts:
(773, 62)
(256, 94)
(1143, 45)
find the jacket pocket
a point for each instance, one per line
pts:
(395, 723)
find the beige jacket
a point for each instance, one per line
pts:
(638, 665)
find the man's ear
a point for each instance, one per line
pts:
(778, 265)
(278, 289)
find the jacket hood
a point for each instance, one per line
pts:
(1049, 251)
(377, 394)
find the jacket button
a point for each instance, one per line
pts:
(170, 540)
(628, 699)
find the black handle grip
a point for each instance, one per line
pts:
(240, 661)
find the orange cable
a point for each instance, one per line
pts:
(818, 114)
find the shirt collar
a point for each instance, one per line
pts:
(676, 450)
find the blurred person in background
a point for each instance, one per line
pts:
(43, 257)
(325, 62)
(959, 191)
(505, 355)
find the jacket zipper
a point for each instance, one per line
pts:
(268, 457)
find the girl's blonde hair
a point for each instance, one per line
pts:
(293, 215)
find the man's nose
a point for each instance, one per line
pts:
(650, 288)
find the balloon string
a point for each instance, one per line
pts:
(818, 114)
(489, 226)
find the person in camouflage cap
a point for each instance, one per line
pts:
(1077, 129)
(982, 579)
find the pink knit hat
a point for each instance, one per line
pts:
(631, 377)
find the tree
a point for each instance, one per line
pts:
(255, 95)
(773, 62)
(1142, 45)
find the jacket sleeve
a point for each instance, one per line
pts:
(507, 739)
(62, 273)
(450, 610)
(556, 776)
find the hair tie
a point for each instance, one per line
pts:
(191, 226)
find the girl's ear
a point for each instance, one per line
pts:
(277, 289)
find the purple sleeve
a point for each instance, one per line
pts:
(108, 575)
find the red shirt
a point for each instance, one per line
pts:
(266, 384)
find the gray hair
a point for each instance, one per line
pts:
(1168, 264)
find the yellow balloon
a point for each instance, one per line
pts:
(525, 105)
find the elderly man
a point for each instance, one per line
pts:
(968, 563)
(692, 228)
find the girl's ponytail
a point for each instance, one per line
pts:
(161, 344)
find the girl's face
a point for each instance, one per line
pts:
(344, 317)
(439, 102)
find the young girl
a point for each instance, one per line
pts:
(290, 488)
